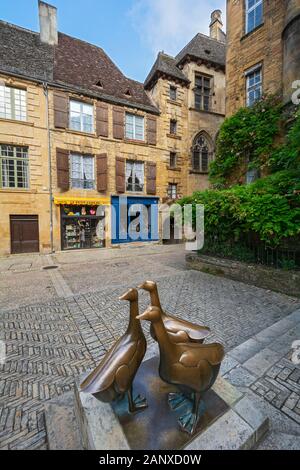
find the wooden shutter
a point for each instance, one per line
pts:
(61, 110)
(62, 168)
(120, 175)
(102, 119)
(101, 172)
(151, 130)
(118, 123)
(151, 178)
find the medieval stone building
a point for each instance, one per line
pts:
(263, 55)
(76, 135)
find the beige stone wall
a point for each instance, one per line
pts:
(31, 134)
(264, 45)
(190, 123)
(34, 135)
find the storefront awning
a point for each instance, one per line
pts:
(81, 201)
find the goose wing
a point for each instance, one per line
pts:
(103, 376)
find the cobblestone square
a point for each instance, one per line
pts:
(53, 340)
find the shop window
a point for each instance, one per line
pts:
(172, 191)
(202, 92)
(82, 227)
(134, 127)
(173, 159)
(173, 93)
(254, 85)
(82, 172)
(254, 14)
(81, 116)
(12, 103)
(134, 176)
(14, 168)
(200, 154)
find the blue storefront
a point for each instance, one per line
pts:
(134, 219)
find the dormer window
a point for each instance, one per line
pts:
(99, 84)
(128, 92)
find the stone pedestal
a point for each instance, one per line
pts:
(230, 420)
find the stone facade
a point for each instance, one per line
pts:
(271, 44)
(43, 136)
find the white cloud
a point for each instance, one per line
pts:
(170, 24)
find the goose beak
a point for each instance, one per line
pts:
(123, 297)
(142, 316)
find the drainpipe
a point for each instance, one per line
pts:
(46, 93)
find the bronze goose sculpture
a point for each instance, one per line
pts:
(180, 331)
(192, 367)
(114, 376)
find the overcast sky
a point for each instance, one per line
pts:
(130, 31)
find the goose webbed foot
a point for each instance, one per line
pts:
(137, 404)
(188, 422)
(176, 400)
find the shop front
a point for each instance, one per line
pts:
(134, 219)
(82, 222)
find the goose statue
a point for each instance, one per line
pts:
(114, 376)
(180, 331)
(192, 367)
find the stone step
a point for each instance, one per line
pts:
(61, 424)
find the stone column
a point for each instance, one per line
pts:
(291, 48)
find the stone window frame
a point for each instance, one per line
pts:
(200, 91)
(201, 168)
(15, 159)
(81, 113)
(82, 179)
(249, 72)
(248, 10)
(13, 102)
(134, 135)
(171, 193)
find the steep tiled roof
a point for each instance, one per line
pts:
(204, 47)
(165, 64)
(22, 52)
(73, 63)
(84, 65)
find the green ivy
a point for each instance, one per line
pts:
(247, 136)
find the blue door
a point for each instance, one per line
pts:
(131, 222)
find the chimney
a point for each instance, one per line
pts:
(48, 23)
(215, 27)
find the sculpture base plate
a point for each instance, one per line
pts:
(157, 426)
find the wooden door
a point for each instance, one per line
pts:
(24, 231)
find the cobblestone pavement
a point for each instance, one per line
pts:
(50, 343)
(266, 367)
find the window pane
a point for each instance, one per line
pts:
(139, 128)
(129, 126)
(196, 160)
(81, 116)
(14, 166)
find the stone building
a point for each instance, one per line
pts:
(263, 53)
(76, 135)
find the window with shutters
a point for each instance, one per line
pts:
(202, 92)
(134, 127)
(254, 14)
(172, 191)
(82, 171)
(12, 103)
(200, 154)
(135, 176)
(173, 127)
(173, 93)
(81, 116)
(173, 159)
(14, 168)
(254, 85)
